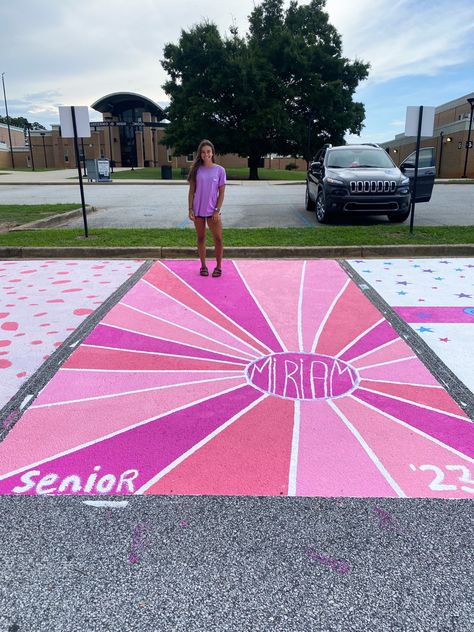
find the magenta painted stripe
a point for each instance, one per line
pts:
(451, 431)
(230, 296)
(436, 314)
(104, 336)
(146, 449)
(376, 337)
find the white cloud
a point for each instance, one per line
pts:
(402, 38)
(69, 53)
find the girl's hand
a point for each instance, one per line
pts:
(191, 215)
(216, 215)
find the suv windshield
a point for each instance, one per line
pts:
(357, 157)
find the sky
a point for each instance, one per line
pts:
(62, 52)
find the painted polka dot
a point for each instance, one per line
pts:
(9, 326)
(82, 311)
(5, 343)
(4, 364)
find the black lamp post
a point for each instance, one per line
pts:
(8, 121)
(442, 142)
(468, 143)
(311, 120)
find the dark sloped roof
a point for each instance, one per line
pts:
(119, 101)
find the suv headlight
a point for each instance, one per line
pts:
(334, 182)
(404, 182)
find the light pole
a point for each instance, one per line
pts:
(8, 120)
(31, 148)
(442, 142)
(311, 120)
(468, 143)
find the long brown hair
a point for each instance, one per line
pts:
(198, 160)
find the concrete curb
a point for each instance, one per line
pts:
(54, 220)
(264, 252)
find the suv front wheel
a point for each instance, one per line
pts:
(322, 214)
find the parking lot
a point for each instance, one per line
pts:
(246, 205)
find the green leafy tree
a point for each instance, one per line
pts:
(266, 92)
(21, 121)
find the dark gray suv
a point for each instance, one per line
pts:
(359, 179)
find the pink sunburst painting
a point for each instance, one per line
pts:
(279, 378)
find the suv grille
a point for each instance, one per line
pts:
(373, 186)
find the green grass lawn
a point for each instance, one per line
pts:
(176, 237)
(24, 213)
(154, 173)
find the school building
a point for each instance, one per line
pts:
(452, 139)
(132, 126)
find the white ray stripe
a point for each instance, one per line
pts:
(371, 454)
(206, 318)
(187, 329)
(262, 311)
(414, 429)
(197, 446)
(213, 306)
(141, 390)
(157, 353)
(413, 403)
(328, 313)
(151, 370)
(294, 450)
(82, 446)
(438, 386)
(185, 344)
(300, 309)
(372, 366)
(375, 350)
(359, 337)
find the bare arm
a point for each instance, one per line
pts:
(192, 191)
(220, 200)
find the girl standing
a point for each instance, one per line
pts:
(206, 193)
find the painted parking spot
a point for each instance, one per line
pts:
(436, 298)
(279, 378)
(41, 303)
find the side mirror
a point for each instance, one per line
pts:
(315, 167)
(407, 165)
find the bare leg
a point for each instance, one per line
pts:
(200, 225)
(215, 226)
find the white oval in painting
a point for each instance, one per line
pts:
(302, 376)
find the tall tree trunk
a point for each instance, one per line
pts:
(254, 161)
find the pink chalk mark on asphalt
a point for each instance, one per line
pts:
(339, 565)
(138, 544)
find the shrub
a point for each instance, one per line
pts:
(291, 166)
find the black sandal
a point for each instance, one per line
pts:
(204, 271)
(217, 272)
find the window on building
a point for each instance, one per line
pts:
(66, 157)
(170, 156)
(189, 157)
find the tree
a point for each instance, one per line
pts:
(20, 121)
(262, 93)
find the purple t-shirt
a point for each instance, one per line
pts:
(208, 181)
